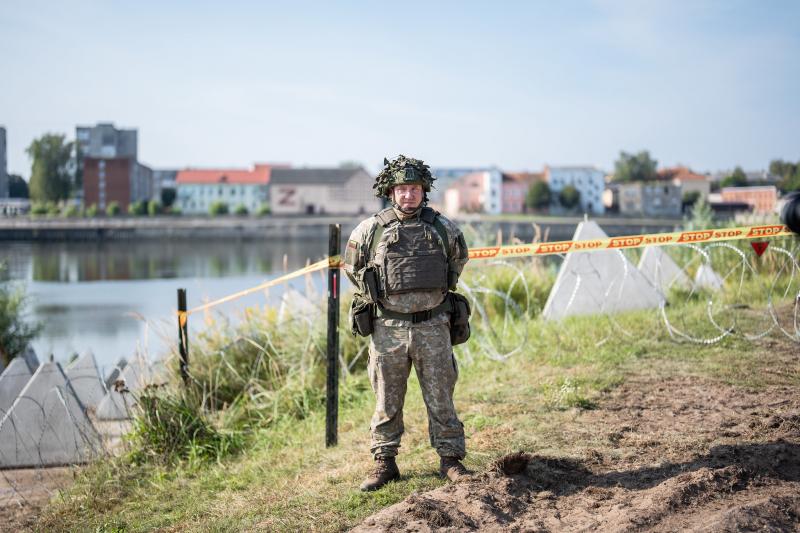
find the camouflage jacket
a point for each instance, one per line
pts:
(357, 259)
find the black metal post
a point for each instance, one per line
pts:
(332, 410)
(183, 335)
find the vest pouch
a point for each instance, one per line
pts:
(459, 319)
(361, 316)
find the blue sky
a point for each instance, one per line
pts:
(710, 84)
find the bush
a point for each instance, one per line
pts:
(52, 209)
(38, 208)
(137, 208)
(538, 196)
(113, 209)
(72, 211)
(91, 211)
(240, 210)
(153, 208)
(264, 210)
(175, 210)
(172, 426)
(218, 208)
(569, 197)
(15, 334)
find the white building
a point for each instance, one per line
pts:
(309, 191)
(589, 181)
(198, 189)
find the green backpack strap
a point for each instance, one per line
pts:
(385, 218)
(431, 216)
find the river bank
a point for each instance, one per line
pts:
(284, 228)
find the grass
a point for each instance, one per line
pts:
(255, 457)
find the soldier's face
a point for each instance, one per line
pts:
(408, 197)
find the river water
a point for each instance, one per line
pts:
(114, 297)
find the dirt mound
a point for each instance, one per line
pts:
(681, 455)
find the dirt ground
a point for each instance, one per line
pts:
(683, 454)
(23, 494)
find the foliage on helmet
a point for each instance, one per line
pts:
(400, 171)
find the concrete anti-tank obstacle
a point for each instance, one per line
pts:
(663, 273)
(596, 282)
(85, 380)
(15, 377)
(117, 405)
(47, 425)
(707, 278)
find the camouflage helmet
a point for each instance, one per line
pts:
(402, 170)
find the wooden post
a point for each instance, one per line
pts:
(183, 335)
(332, 406)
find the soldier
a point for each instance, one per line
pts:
(403, 261)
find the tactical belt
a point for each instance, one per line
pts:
(420, 316)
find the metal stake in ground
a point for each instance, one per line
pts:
(332, 408)
(183, 335)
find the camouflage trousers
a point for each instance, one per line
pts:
(392, 350)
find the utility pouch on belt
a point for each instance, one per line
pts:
(370, 278)
(459, 319)
(361, 316)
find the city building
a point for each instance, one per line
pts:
(688, 181)
(296, 191)
(445, 176)
(476, 192)
(762, 199)
(107, 158)
(589, 182)
(650, 199)
(3, 164)
(515, 190)
(197, 189)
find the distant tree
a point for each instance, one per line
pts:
(17, 187)
(538, 196)
(113, 209)
(635, 167)
(153, 208)
(240, 210)
(167, 197)
(264, 210)
(218, 208)
(736, 179)
(50, 178)
(91, 211)
(72, 211)
(15, 333)
(569, 197)
(689, 199)
(138, 208)
(789, 173)
(702, 216)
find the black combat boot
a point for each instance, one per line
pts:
(452, 469)
(384, 472)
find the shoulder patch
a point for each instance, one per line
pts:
(351, 253)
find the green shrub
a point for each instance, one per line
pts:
(113, 209)
(218, 208)
(91, 211)
(153, 208)
(264, 210)
(15, 333)
(52, 209)
(38, 208)
(240, 210)
(138, 208)
(72, 211)
(175, 210)
(172, 426)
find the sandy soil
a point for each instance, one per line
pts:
(23, 494)
(660, 455)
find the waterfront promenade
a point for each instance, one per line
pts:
(289, 227)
